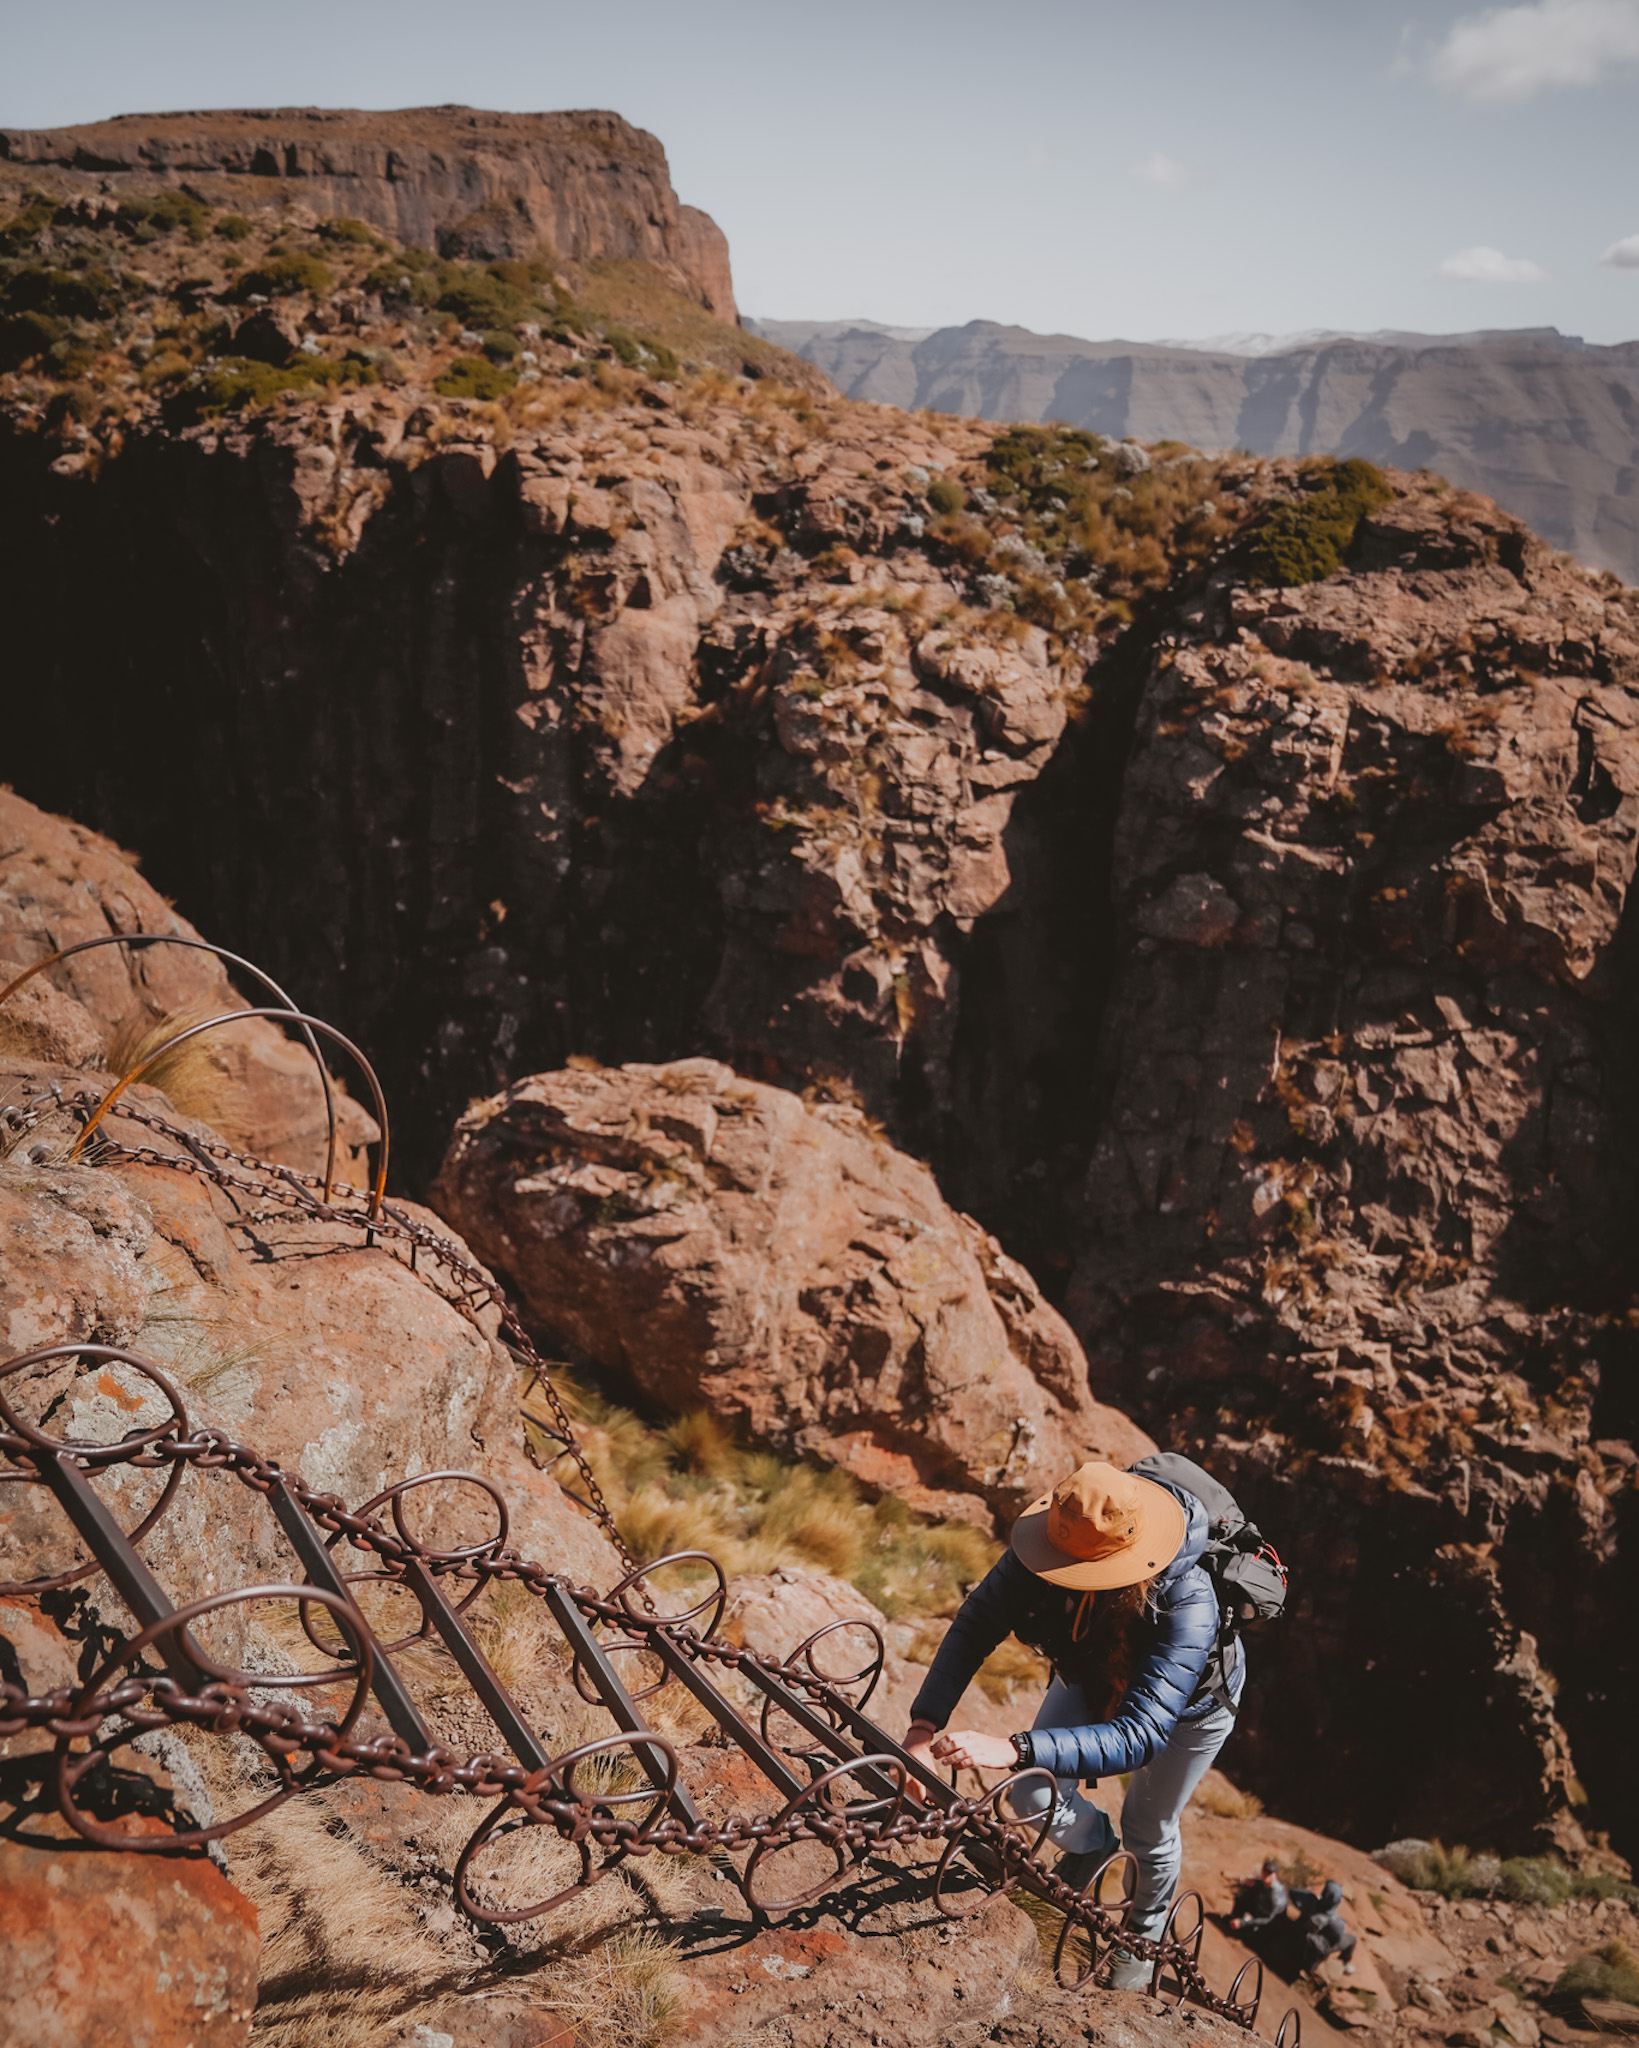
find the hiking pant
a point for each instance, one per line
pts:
(1156, 1798)
(1317, 1947)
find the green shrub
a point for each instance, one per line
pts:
(145, 218)
(24, 336)
(501, 347)
(1306, 539)
(233, 227)
(394, 278)
(482, 300)
(73, 402)
(345, 229)
(1535, 1881)
(64, 294)
(1039, 461)
(1604, 1884)
(1439, 1869)
(71, 357)
(472, 377)
(626, 346)
(946, 497)
(238, 385)
(286, 274)
(21, 232)
(1610, 1972)
(376, 365)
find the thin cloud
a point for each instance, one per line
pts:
(1623, 255)
(1507, 54)
(1163, 173)
(1491, 266)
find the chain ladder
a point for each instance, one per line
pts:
(284, 1730)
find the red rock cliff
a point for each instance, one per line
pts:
(588, 184)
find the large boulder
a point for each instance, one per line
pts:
(724, 1244)
(291, 1334)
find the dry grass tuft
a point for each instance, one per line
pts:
(195, 1076)
(516, 1634)
(690, 1486)
(1013, 1668)
(619, 1995)
(344, 1951)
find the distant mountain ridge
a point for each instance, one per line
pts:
(1544, 423)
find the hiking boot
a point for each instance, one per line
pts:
(1076, 1869)
(1129, 1972)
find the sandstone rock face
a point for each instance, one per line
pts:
(457, 178)
(1543, 423)
(629, 775)
(1357, 1221)
(153, 1952)
(61, 885)
(723, 1244)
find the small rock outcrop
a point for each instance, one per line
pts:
(719, 1243)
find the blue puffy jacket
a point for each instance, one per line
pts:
(1165, 1689)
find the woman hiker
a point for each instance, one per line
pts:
(1103, 1579)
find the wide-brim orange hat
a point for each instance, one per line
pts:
(1099, 1529)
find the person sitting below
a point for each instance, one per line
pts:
(1104, 1580)
(1321, 1929)
(1259, 1901)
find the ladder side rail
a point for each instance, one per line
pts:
(829, 1737)
(129, 1576)
(612, 1692)
(475, 1667)
(392, 1695)
(733, 1723)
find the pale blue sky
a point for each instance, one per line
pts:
(1156, 167)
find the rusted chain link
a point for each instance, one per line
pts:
(474, 1291)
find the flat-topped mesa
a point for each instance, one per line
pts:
(460, 179)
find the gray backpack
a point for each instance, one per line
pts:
(1241, 1563)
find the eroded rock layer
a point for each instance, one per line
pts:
(1358, 1219)
(459, 179)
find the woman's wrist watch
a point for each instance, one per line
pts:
(1024, 1751)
